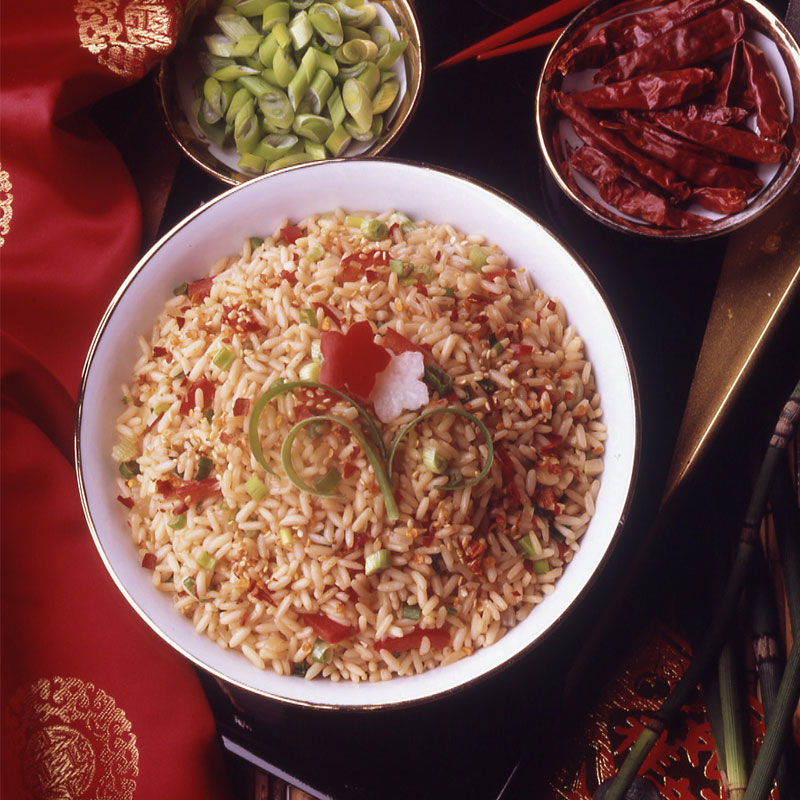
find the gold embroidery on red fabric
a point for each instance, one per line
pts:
(73, 741)
(6, 202)
(127, 37)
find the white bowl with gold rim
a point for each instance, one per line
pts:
(257, 207)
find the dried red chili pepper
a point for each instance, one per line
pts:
(691, 164)
(352, 359)
(723, 138)
(193, 491)
(731, 84)
(629, 31)
(438, 637)
(629, 198)
(691, 43)
(721, 115)
(649, 92)
(588, 127)
(763, 88)
(723, 200)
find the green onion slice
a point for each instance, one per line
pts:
(374, 459)
(458, 412)
(377, 561)
(279, 388)
(322, 652)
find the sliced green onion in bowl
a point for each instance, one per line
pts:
(526, 544)
(204, 467)
(411, 611)
(255, 487)
(206, 561)
(224, 358)
(328, 482)
(433, 460)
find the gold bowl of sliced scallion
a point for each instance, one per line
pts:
(258, 85)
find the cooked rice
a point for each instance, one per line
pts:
(454, 554)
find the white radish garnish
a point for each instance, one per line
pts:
(399, 387)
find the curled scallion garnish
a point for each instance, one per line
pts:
(376, 462)
(450, 486)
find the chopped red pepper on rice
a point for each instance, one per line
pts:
(352, 359)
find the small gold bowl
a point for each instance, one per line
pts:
(555, 132)
(179, 72)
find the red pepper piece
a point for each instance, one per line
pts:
(328, 629)
(438, 637)
(762, 86)
(720, 199)
(149, 561)
(197, 291)
(588, 127)
(352, 359)
(241, 406)
(626, 196)
(193, 491)
(520, 350)
(691, 43)
(190, 401)
(329, 313)
(507, 468)
(630, 31)
(291, 233)
(289, 276)
(126, 501)
(689, 163)
(723, 138)
(398, 344)
(649, 92)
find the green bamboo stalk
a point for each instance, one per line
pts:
(768, 654)
(715, 634)
(732, 721)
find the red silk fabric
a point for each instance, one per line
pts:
(93, 701)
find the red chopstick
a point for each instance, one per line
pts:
(523, 44)
(536, 20)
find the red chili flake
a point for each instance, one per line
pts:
(551, 304)
(291, 233)
(512, 493)
(224, 438)
(349, 469)
(352, 359)
(241, 318)
(546, 499)
(190, 401)
(329, 313)
(422, 289)
(481, 319)
(553, 445)
(507, 468)
(241, 405)
(149, 561)
(521, 349)
(260, 592)
(553, 467)
(494, 274)
(126, 501)
(289, 277)
(197, 291)
(475, 548)
(159, 351)
(454, 315)
(180, 322)
(476, 567)
(164, 487)
(194, 491)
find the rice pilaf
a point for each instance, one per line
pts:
(332, 586)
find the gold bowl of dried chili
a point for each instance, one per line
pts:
(675, 121)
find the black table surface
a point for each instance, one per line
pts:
(477, 119)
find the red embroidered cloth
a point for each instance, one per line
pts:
(94, 704)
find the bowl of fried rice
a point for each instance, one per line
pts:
(357, 434)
